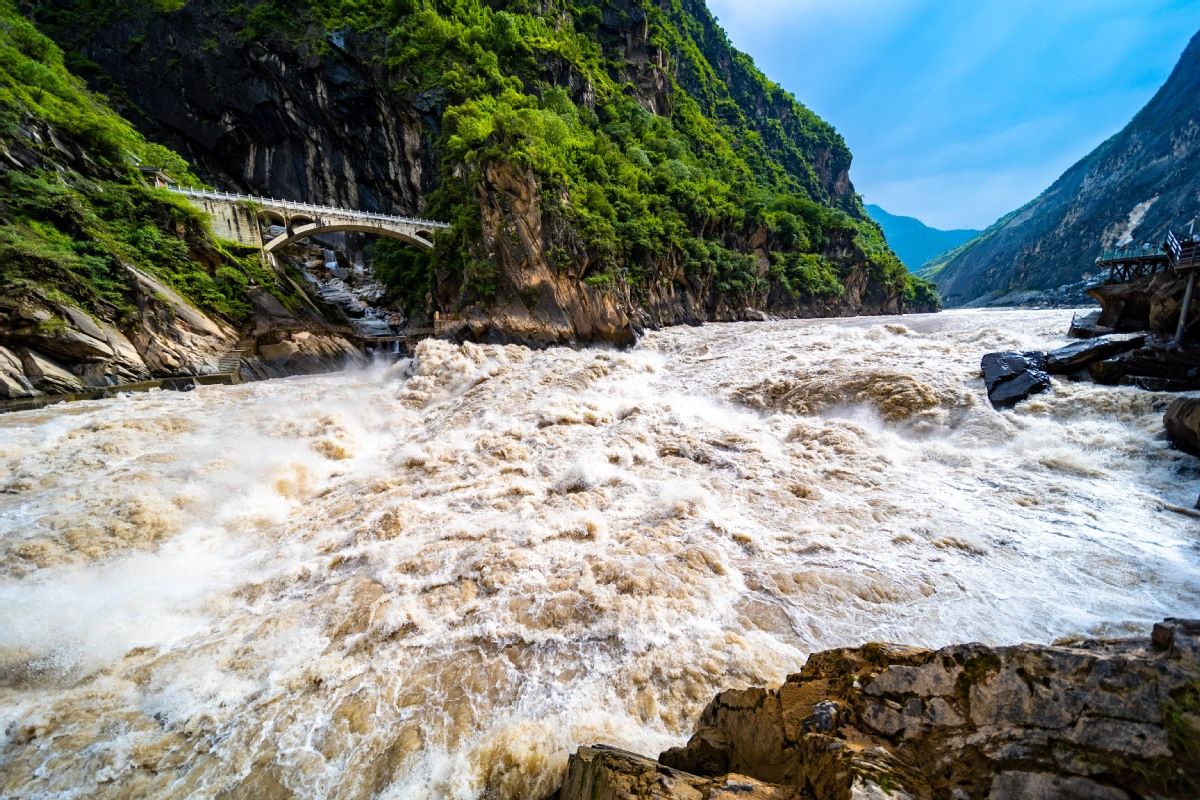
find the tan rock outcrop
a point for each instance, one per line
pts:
(282, 353)
(1182, 422)
(606, 773)
(1090, 719)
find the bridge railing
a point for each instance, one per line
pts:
(1130, 253)
(292, 205)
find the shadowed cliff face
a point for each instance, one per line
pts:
(281, 122)
(1132, 188)
(327, 114)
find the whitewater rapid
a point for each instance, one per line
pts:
(436, 579)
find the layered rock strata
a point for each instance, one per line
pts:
(1115, 719)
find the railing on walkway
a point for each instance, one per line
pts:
(1130, 263)
(1132, 252)
(292, 205)
(394, 343)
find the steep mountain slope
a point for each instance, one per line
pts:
(103, 279)
(608, 164)
(914, 241)
(1131, 188)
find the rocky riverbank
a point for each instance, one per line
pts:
(1131, 340)
(1113, 719)
(50, 348)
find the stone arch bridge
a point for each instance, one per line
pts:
(242, 218)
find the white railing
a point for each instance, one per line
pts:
(292, 205)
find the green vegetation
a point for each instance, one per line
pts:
(1181, 717)
(542, 93)
(405, 270)
(79, 209)
(674, 156)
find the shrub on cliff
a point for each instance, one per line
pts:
(655, 148)
(77, 208)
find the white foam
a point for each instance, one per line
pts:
(511, 553)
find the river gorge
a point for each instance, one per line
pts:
(437, 578)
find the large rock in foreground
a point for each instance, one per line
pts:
(1158, 367)
(606, 773)
(1079, 355)
(1182, 422)
(1113, 719)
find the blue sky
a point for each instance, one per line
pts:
(959, 111)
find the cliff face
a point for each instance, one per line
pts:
(263, 115)
(607, 165)
(103, 279)
(1132, 188)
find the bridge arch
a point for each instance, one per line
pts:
(268, 217)
(232, 218)
(317, 228)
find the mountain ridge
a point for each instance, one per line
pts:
(914, 241)
(1133, 187)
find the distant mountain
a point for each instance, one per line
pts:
(913, 240)
(1132, 188)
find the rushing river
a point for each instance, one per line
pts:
(437, 579)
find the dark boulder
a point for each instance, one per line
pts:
(1079, 355)
(179, 384)
(1182, 422)
(1088, 326)
(1178, 367)
(1011, 377)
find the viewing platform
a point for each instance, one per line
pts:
(1176, 253)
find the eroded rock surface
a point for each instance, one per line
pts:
(1079, 355)
(1012, 377)
(1157, 366)
(1091, 719)
(1182, 422)
(279, 354)
(606, 773)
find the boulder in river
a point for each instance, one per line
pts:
(607, 773)
(1088, 326)
(1171, 368)
(1112, 718)
(1182, 422)
(1077, 356)
(1011, 377)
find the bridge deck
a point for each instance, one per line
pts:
(291, 205)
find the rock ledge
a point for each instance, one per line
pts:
(1114, 719)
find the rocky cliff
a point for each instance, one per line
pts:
(103, 278)
(1113, 719)
(608, 165)
(1132, 188)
